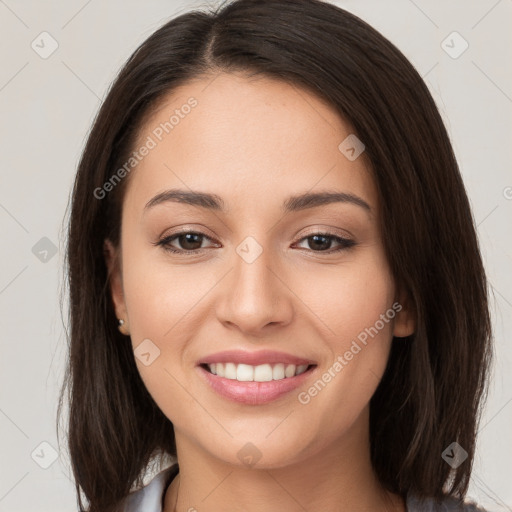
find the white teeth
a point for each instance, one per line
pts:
(263, 373)
(301, 369)
(244, 372)
(230, 371)
(278, 371)
(260, 373)
(290, 370)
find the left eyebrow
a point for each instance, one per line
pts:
(292, 204)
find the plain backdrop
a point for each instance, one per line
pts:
(46, 109)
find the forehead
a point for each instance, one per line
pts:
(245, 139)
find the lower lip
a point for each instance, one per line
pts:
(254, 393)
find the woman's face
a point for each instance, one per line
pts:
(261, 280)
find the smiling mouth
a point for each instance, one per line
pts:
(259, 373)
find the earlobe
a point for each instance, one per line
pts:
(405, 319)
(405, 324)
(112, 262)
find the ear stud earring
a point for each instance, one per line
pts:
(123, 329)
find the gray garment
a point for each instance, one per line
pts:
(150, 498)
(449, 505)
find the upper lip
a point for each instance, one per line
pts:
(253, 358)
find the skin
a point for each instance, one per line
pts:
(255, 142)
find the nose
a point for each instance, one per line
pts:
(254, 297)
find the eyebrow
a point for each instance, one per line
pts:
(292, 204)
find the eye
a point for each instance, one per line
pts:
(190, 242)
(321, 242)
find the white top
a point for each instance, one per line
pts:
(150, 497)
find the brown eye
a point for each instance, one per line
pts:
(321, 242)
(187, 241)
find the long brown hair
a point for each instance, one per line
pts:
(432, 390)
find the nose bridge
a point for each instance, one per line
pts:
(254, 296)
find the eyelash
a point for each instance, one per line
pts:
(346, 243)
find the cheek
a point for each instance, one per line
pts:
(351, 298)
(161, 297)
(355, 305)
(165, 306)
(365, 296)
(160, 303)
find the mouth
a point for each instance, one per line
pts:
(255, 385)
(256, 373)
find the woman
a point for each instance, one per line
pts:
(274, 276)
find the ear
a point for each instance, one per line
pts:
(113, 263)
(405, 318)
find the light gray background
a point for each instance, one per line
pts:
(46, 108)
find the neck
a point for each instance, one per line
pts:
(333, 479)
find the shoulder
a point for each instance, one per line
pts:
(149, 498)
(449, 504)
